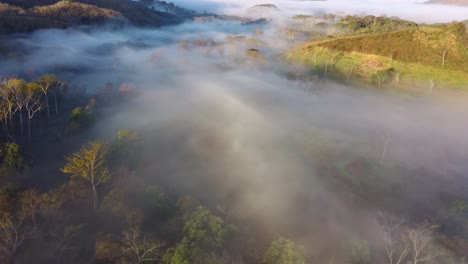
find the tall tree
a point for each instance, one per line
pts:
(89, 165)
(33, 104)
(48, 83)
(19, 98)
(6, 91)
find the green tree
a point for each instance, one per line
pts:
(12, 155)
(89, 165)
(359, 252)
(382, 76)
(204, 236)
(284, 251)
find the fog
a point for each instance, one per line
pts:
(236, 133)
(407, 9)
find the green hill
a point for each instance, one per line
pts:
(438, 53)
(423, 45)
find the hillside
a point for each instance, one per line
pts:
(27, 16)
(14, 19)
(137, 13)
(423, 53)
(449, 2)
(75, 12)
(423, 45)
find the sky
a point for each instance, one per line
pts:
(406, 9)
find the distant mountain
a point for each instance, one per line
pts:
(18, 16)
(449, 2)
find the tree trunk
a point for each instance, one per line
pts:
(47, 105)
(21, 122)
(29, 130)
(94, 197)
(56, 105)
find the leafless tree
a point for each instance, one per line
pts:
(350, 71)
(432, 85)
(443, 55)
(13, 232)
(30, 202)
(408, 245)
(396, 253)
(420, 240)
(138, 248)
(386, 139)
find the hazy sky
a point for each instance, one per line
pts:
(407, 9)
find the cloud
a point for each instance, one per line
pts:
(406, 9)
(237, 134)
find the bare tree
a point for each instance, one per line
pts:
(138, 248)
(396, 250)
(13, 232)
(350, 71)
(443, 55)
(386, 138)
(408, 245)
(420, 240)
(30, 201)
(432, 85)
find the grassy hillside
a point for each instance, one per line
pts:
(424, 45)
(402, 57)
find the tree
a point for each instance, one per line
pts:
(7, 91)
(420, 240)
(332, 58)
(14, 225)
(432, 85)
(382, 76)
(284, 251)
(359, 252)
(137, 249)
(12, 235)
(20, 99)
(396, 250)
(89, 165)
(30, 200)
(12, 155)
(33, 104)
(442, 53)
(408, 245)
(204, 236)
(45, 84)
